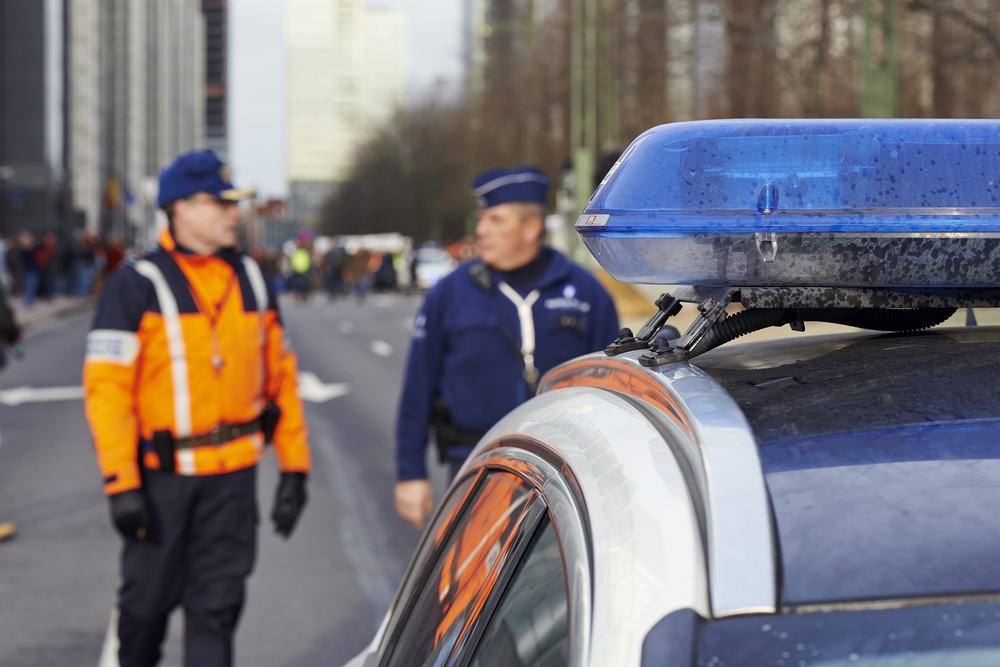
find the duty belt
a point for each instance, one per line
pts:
(165, 444)
(219, 434)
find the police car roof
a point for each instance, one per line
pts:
(882, 458)
(796, 202)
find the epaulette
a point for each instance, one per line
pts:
(482, 277)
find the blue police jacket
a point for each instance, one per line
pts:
(459, 351)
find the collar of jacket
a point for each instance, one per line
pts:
(558, 270)
(168, 244)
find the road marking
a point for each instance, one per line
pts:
(109, 653)
(364, 532)
(20, 395)
(312, 389)
(346, 327)
(381, 348)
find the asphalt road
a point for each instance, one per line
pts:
(313, 600)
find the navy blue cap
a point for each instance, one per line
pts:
(502, 186)
(197, 171)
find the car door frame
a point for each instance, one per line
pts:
(555, 494)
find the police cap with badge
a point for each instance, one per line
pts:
(194, 172)
(505, 186)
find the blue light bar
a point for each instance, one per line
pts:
(838, 203)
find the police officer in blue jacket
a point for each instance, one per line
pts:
(489, 330)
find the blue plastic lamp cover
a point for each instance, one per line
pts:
(840, 203)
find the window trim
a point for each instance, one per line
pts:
(562, 502)
(516, 454)
(472, 634)
(414, 579)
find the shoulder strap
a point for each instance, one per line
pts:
(257, 283)
(482, 277)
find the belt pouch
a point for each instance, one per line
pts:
(448, 435)
(163, 445)
(269, 417)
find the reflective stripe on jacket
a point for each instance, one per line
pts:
(179, 343)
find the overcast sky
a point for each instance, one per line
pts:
(256, 71)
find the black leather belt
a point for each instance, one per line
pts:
(219, 434)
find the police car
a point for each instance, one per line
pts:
(811, 501)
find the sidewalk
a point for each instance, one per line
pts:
(44, 311)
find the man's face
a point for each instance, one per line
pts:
(205, 223)
(506, 239)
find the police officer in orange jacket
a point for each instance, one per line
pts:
(186, 377)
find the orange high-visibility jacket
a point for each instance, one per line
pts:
(179, 343)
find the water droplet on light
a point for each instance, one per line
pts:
(853, 657)
(766, 627)
(958, 633)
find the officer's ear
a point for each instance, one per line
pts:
(533, 218)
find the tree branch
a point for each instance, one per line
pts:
(979, 27)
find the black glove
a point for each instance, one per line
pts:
(289, 500)
(129, 514)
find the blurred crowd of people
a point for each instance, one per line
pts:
(42, 266)
(45, 265)
(304, 265)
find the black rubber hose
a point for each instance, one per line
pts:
(877, 319)
(740, 324)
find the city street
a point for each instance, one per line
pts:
(314, 600)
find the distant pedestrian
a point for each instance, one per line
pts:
(488, 330)
(301, 272)
(32, 271)
(186, 377)
(10, 335)
(15, 265)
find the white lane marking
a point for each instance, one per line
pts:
(346, 327)
(109, 653)
(407, 323)
(312, 389)
(381, 348)
(363, 530)
(20, 395)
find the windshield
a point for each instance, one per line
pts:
(966, 635)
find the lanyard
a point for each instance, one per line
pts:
(213, 321)
(530, 373)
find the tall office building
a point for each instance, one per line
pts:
(216, 79)
(137, 99)
(345, 75)
(25, 176)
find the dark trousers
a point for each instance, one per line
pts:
(454, 465)
(200, 550)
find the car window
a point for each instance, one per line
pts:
(530, 627)
(466, 569)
